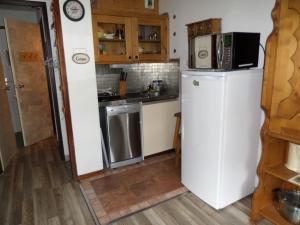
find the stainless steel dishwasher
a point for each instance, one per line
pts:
(123, 134)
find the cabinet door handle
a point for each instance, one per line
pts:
(129, 57)
(136, 57)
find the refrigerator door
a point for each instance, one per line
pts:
(202, 116)
(242, 117)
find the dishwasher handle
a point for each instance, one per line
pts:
(123, 109)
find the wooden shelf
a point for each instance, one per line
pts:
(149, 53)
(273, 215)
(284, 137)
(281, 172)
(149, 41)
(111, 40)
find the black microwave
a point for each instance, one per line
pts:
(228, 51)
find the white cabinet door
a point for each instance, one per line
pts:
(158, 126)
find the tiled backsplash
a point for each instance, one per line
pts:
(139, 75)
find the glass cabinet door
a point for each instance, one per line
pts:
(112, 39)
(149, 39)
(152, 39)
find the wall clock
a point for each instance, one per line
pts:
(74, 10)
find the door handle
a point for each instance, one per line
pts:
(19, 86)
(7, 87)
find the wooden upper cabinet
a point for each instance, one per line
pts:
(282, 99)
(125, 7)
(151, 39)
(112, 39)
(119, 39)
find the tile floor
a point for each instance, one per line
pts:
(120, 192)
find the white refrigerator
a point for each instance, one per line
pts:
(221, 117)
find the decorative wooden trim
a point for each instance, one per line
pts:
(270, 60)
(124, 8)
(89, 175)
(271, 170)
(51, 80)
(204, 27)
(64, 86)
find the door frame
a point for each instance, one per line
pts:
(64, 86)
(51, 78)
(1, 168)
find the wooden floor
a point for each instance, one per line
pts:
(188, 209)
(37, 189)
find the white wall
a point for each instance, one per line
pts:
(78, 37)
(237, 15)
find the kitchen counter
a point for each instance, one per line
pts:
(143, 97)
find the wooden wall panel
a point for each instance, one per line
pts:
(285, 108)
(281, 102)
(124, 7)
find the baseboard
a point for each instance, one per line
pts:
(160, 153)
(92, 174)
(89, 175)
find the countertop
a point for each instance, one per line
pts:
(137, 97)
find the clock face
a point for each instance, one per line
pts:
(74, 10)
